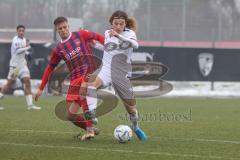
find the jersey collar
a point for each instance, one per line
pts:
(67, 38)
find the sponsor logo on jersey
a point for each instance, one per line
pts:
(74, 52)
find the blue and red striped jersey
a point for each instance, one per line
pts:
(76, 53)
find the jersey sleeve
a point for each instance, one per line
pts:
(130, 37)
(17, 49)
(93, 35)
(54, 60)
(22, 50)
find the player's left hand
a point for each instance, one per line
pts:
(38, 94)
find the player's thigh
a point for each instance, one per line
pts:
(104, 77)
(123, 87)
(97, 83)
(83, 89)
(73, 93)
(24, 73)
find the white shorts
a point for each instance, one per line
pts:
(116, 75)
(15, 72)
(105, 75)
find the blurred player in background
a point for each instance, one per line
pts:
(120, 41)
(19, 68)
(75, 51)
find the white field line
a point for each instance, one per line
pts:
(153, 137)
(114, 150)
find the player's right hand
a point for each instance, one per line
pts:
(38, 94)
(113, 33)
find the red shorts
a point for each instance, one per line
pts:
(74, 89)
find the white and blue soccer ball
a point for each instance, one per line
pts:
(123, 133)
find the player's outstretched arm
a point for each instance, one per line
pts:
(54, 60)
(132, 39)
(93, 36)
(47, 73)
(38, 94)
(96, 45)
(22, 50)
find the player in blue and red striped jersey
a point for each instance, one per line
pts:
(75, 51)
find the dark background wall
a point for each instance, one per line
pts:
(182, 62)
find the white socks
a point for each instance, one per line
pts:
(91, 98)
(134, 119)
(29, 100)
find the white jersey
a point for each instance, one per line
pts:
(18, 51)
(114, 45)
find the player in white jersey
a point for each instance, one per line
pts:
(119, 43)
(18, 67)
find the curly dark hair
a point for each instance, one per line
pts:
(131, 22)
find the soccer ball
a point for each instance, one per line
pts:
(123, 133)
